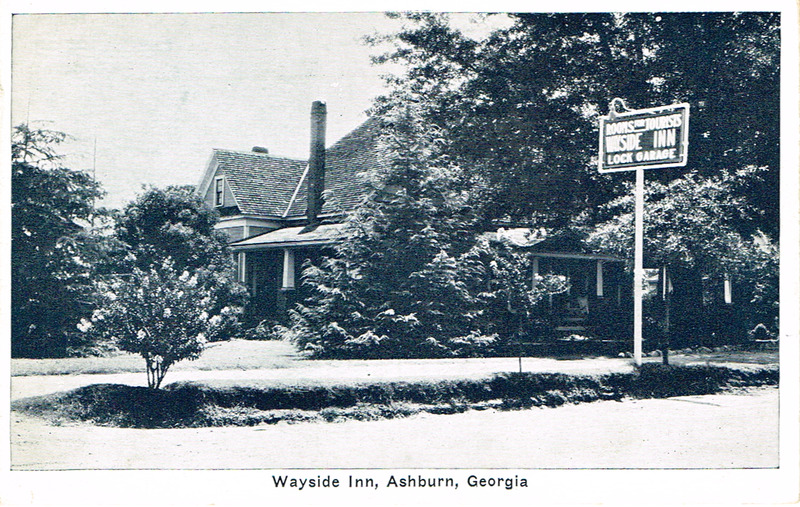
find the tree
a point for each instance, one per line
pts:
(691, 227)
(407, 280)
(163, 314)
(175, 223)
(519, 107)
(54, 252)
(172, 222)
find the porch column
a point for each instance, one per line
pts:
(599, 278)
(727, 289)
(241, 266)
(288, 269)
(535, 272)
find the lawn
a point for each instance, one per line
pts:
(246, 356)
(231, 355)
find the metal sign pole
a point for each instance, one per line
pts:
(638, 269)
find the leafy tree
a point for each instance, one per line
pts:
(520, 107)
(163, 314)
(54, 251)
(407, 279)
(174, 223)
(691, 227)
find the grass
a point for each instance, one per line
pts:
(231, 355)
(214, 403)
(260, 355)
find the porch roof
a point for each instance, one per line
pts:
(563, 244)
(576, 255)
(324, 234)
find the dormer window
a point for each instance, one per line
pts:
(219, 191)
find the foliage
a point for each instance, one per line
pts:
(691, 226)
(162, 314)
(172, 222)
(519, 109)
(520, 106)
(392, 287)
(508, 299)
(690, 222)
(264, 330)
(175, 223)
(215, 403)
(497, 129)
(408, 279)
(54, 250)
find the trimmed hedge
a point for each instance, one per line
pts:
(193, 404)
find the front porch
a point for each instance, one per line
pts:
(598, 300)
(268, 265)
(597, 303)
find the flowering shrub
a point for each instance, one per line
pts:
(161, 314)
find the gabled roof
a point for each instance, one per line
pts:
(353, 154)
(261, 184)
(276, 187)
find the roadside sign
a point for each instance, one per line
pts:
(635, 141)
(648, 138)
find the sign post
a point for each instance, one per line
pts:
(638, 266)
(634, 141)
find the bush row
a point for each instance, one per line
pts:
(192, 404)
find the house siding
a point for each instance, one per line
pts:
(234, 233)
(255, 231)
(227, 195)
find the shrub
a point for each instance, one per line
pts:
(265, 330)
(160, 314)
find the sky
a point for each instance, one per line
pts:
(157, 92)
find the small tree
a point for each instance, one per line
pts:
(160, 314)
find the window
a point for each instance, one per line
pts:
(219, 192)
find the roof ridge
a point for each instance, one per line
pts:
(356, 131)
(262, 155)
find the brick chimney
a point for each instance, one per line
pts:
(316, 163)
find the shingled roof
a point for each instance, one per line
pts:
(353, 154)
(276, 187)
(261, 184)
(323, 234)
